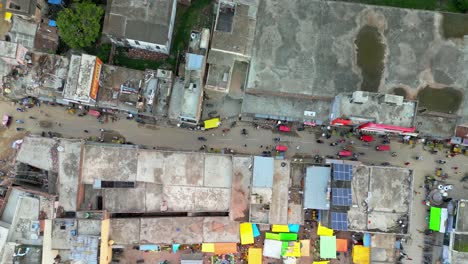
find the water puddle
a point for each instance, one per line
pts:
(446, 100)
(454, 25)
(370, 56)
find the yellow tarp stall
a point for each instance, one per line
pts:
(324, 231)
(208, 248)
(8, 16)
(305, 248)
(280, 228)
(212, 123)
(246, 233)
(255, 256)
(361, 255)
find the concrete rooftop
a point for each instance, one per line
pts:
(37, 152)
(184, 182)
(69, 160)
(462, 217)
(286, 108)
(234, 32)
(180, 230)
(139, 20)
(381, 196)
(311, 49)
(375, 110)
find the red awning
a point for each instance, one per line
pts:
(386, 128)
(341, 122)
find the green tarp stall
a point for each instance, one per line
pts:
(328, 247)
(281, 236)
(273, 236)
(288, 236)
(434, 219)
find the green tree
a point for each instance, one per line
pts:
(461, 5)
(79, 25)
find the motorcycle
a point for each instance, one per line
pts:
(202, 138)
(19, 121)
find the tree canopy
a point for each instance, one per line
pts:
(80, 24)
(461, 5)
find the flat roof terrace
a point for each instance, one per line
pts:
(164, 181)
(381, 197)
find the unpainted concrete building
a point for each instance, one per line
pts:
(141, 24)
(381, 200)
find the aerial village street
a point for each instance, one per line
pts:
(234, 131)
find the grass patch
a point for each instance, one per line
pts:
(454, 25)
(197, 16)
(446, 100)
(121, 59)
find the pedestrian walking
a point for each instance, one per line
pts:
(407, 163)
(245, 145)
(261, 146)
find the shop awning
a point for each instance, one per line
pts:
(94, 113)
(246, 233)
(212, 123)
(361, 255)
(324, 231)
(225, 248)
(341, 245)
(294, 228)
(208, 248)
(255, 256)
(280, 228)
(434, 218)
(291, 249)
(256, 232)
(328, 247)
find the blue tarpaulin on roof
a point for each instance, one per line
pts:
(194, 61)
(367, 240)
(52, 23)
(55, 2)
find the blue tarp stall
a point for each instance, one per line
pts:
(149, 247)
(366, 240)
(294, 228)
(52, 23)
(256, 232)
(55, 2)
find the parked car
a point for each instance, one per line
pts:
(383, 148)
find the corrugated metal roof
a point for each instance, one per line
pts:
(263, 172)
(316, 188)
(194, 61)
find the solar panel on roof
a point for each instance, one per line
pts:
(342, 197)
(339, 221)
(342, 172)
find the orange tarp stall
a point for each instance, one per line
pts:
(225, 248)
(341, 245)
(255, 256)
(305, 248)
